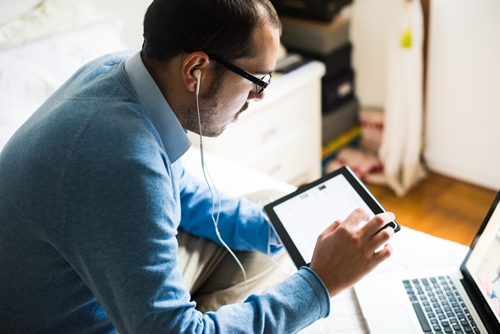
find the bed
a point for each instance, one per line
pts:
(40, 47)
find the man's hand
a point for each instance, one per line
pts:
(345, 252)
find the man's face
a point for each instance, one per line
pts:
(228, 96)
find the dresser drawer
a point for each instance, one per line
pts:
(258, 127)
(295, 160)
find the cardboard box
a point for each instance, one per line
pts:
(320, 39)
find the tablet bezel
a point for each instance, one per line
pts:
(353, 180)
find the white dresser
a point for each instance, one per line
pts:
(280, 135)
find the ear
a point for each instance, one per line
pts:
(193, 61)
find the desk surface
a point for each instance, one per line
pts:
(413, 250)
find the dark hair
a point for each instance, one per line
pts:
(222, 27)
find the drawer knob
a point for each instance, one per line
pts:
(269, 134)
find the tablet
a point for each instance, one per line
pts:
(300, 217)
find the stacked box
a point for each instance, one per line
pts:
(329, 43)
(337, 91)
(318, 10)
(317, 39)
(336, 62)
(339, 120)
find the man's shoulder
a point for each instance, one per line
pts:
(103, 77)
(107, 61)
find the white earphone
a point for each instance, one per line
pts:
(197, 75)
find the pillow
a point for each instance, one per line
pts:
(15, 9)
(29, 74)
(46, 18)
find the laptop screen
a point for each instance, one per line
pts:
(482, 264)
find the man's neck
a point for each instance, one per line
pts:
(166, 80)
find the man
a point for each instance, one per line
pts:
(99, 222)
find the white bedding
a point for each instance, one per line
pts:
(30, 73)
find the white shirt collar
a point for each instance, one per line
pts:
(172, 134)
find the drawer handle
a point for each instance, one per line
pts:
(275, 169)
(268, 134)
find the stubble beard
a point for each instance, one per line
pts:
(208, 114)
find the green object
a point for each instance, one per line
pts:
(406, 39)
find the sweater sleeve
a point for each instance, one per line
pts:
(288, 307)
(241, 223)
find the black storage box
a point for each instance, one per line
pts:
(337, 90)
(317, 10)
(336, 62)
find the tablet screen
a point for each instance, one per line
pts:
(307, 215)
(299, 218)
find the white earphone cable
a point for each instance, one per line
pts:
(215, 218)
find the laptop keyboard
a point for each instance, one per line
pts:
(439, 306)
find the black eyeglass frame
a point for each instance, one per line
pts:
(259, 82)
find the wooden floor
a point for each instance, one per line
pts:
(440, 206)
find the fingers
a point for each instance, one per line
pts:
(383, 254)
(376, 223)
(345, 252)
(331, 228)
(372, 231)
(356, 217)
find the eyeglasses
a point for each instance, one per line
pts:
(260, 84)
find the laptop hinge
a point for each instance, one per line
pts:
(482, 308)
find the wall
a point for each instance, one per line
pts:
(463, 97)
(463, 86)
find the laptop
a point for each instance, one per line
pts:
(463, 300)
